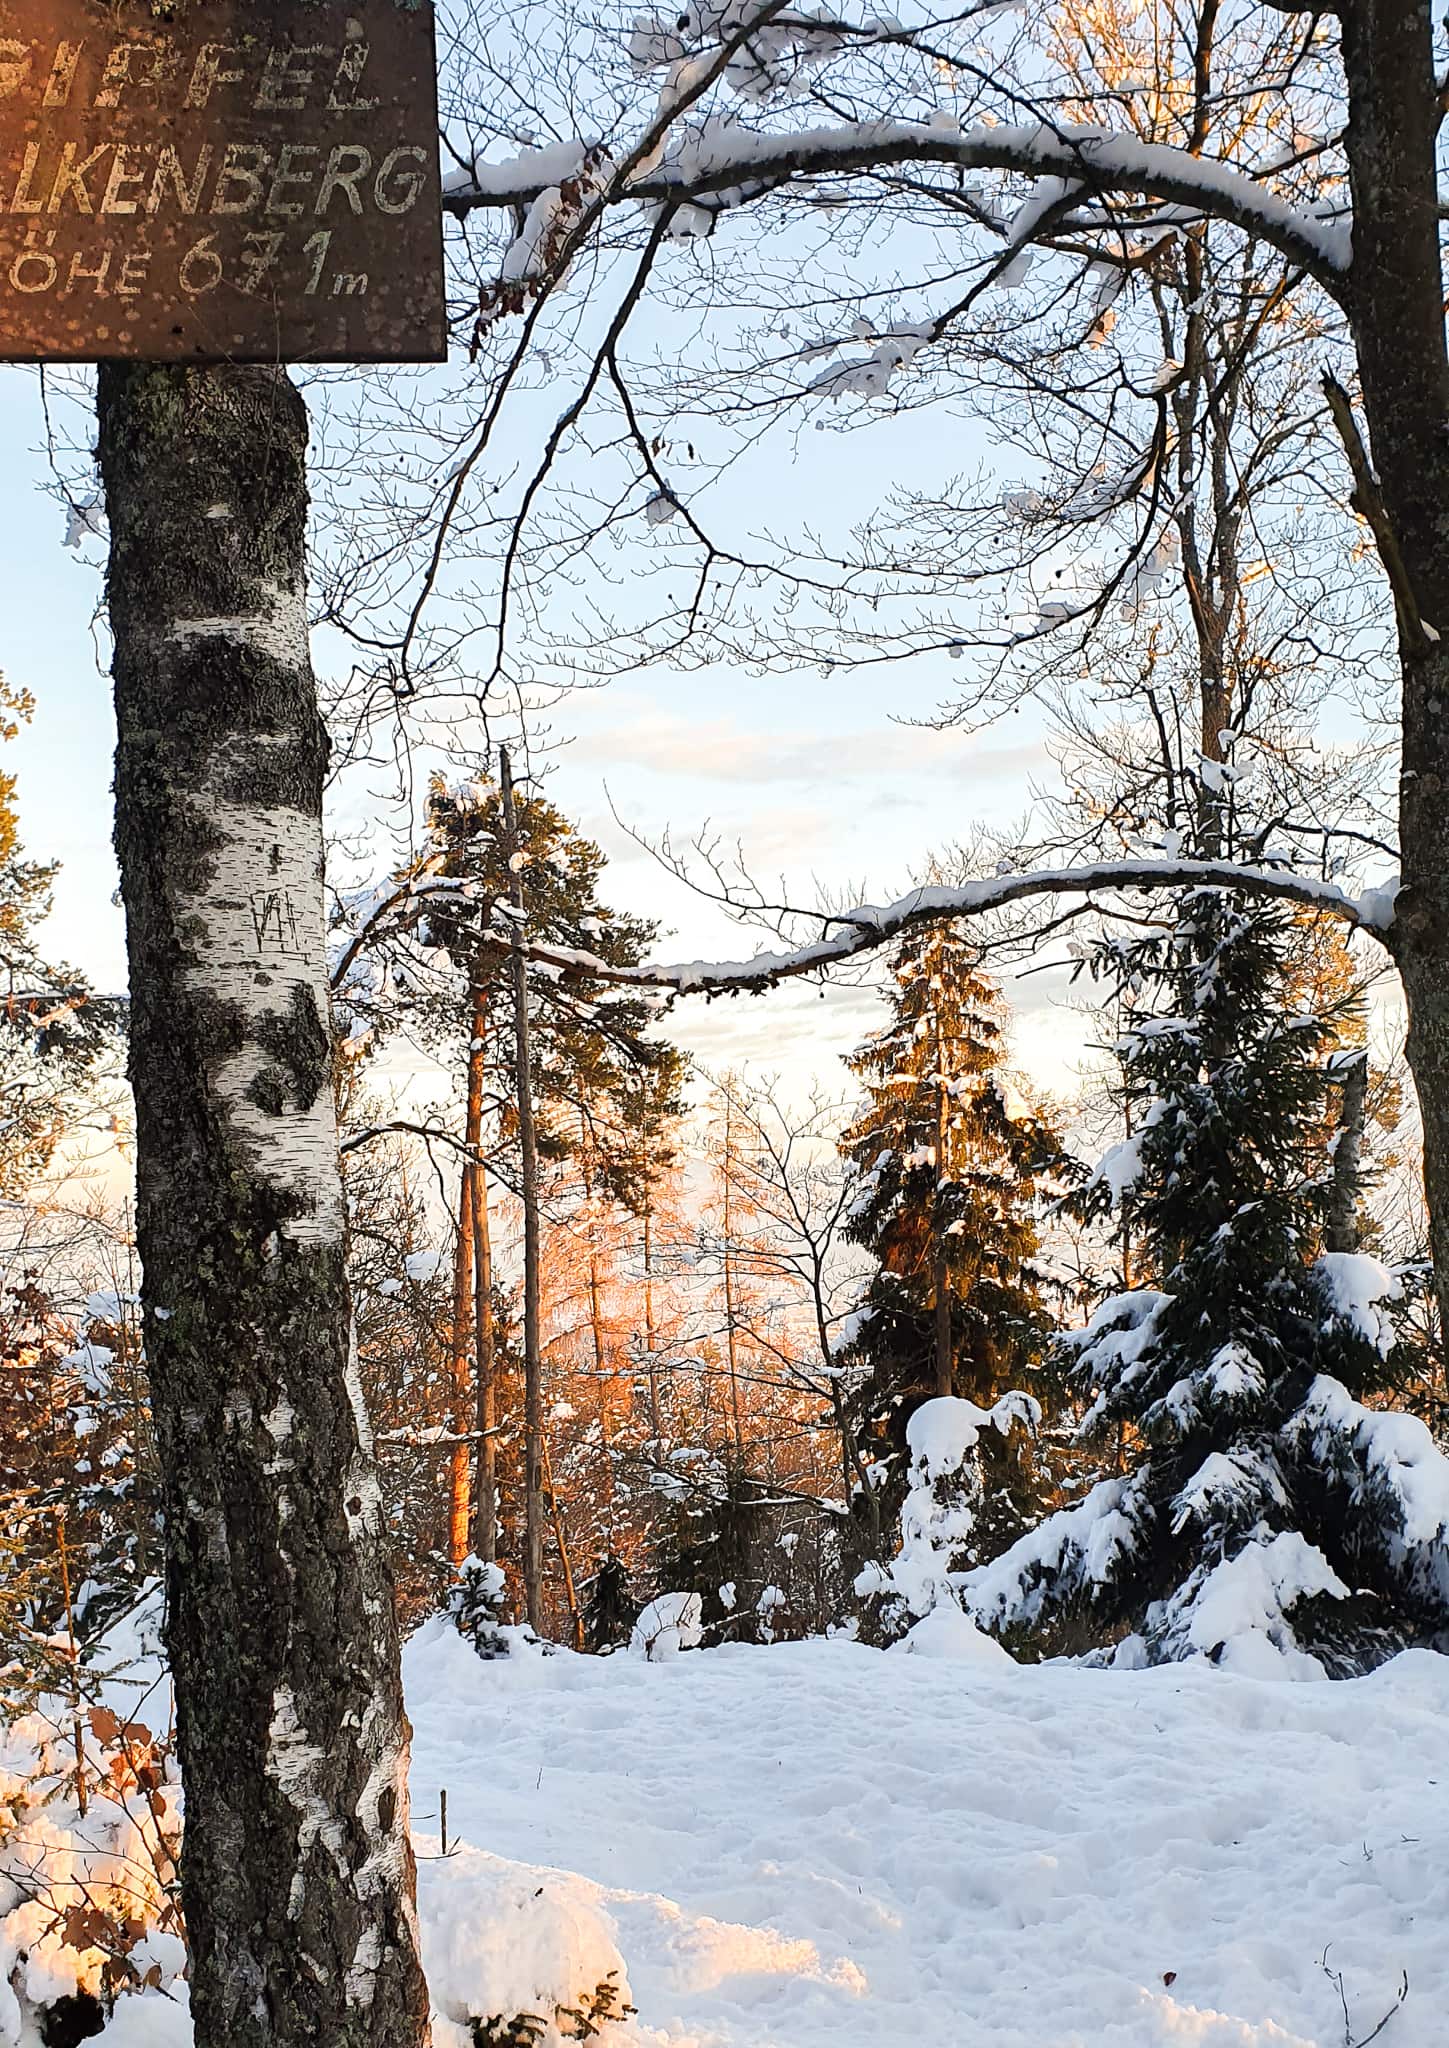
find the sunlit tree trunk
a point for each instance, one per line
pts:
(651, 1344)
(467, 1318)
(464, 1404)
(528, 1143)
(945, 1361)
(732, 1335)
(485, 1490)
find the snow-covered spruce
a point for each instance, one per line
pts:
(950, 1164)
(1263, 1516)
(475, 1605)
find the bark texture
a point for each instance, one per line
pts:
(297, 1872)
(1396, 305)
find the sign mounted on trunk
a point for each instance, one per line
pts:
(219, 180)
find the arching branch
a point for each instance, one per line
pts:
(748, 165)
(869, 926)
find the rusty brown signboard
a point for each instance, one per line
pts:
(219, 180)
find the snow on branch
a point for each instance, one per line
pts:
(727, 160)
(870, 926)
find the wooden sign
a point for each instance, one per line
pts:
(219, 180)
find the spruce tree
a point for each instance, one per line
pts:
(1264, 1515)
(952, 1166)
(610, 1606)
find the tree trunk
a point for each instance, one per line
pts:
(732, 1345)
(604, 1380)
(945, 1372)
(649, 1328)
(485, 1489)
(464, 1399)
(528, 1142)
(1397, 313)
(1342, 1233)
(297, 1871)
(465, 1317)
(565, 1558)
(945, 1363)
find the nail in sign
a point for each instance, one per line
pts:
(219, 180)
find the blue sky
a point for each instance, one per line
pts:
(49, 645)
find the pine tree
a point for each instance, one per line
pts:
(1264, 1515)
(952, 1166)
(602, 1085)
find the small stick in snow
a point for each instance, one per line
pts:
(1335, 1978)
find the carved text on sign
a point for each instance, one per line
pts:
(256, 181)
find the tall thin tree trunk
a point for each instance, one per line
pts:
(485, 1489)
(650, 1345)
(297, 1871)
(528, 1142)
(464, 1402)
(602, 1376)
(732, 1344)
(565, 1556)
(945, 1363)
(465, 1319)
(945, 1374)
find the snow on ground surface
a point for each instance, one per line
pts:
(796, 1846)
(817, 1842)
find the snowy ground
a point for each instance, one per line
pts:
(815, 1843)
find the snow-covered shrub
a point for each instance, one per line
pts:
(518, 1957)
(939, 1515)
(670, 1623)
(720, 1527)
(1267, 1519)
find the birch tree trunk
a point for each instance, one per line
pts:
(297, 1871)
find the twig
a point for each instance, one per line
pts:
(1335, 1978)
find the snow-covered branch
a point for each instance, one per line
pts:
(869, 926)
(727, 158)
